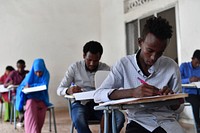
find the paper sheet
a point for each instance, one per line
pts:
(84, 95)
(34, 89)
(145, 99)
(3, 89)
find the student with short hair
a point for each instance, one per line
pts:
(81, 75)
(161, 74)
(15, 78)
(190, 72)
(4, 95)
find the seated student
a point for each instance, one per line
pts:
(36, 103)
(161, 73)
(5, 75)
(82, 75)
(15, 78)
(5, 94)
(190, 72)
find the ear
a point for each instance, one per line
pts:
(84, 55)
(140, 40)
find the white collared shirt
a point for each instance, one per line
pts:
(124, 75)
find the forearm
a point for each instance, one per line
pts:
(119, 94)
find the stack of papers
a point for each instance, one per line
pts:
(34, 89)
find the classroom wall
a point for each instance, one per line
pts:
(53, 30)
(189, 28)
(113, 30)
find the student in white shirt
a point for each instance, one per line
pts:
(160, 73)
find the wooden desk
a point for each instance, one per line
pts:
(141, 102)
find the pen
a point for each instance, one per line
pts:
(142, 81)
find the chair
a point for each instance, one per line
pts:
(186, 119)
(50, 109)
(90, 122)
(99, 77)
(1, 101)
(52, 113)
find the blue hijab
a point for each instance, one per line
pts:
(32, 80)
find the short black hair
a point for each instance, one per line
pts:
(159, 27)
(22, 62)
(94, 47)
(196, 54)
(9, 68)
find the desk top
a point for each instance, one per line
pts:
(145, 99)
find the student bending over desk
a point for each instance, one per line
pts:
(190, 72)
(146, 73)
(36, 103)
(81, 74)
(5, 94)
(15, 78)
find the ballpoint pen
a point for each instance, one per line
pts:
(142, 81)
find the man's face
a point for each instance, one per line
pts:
(20, 67)
(92, 60)
(195, 62)
(151, 49)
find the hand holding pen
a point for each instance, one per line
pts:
(147, 89)
(73, 89)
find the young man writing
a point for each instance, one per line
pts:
(160, 75)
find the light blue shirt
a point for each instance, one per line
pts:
(124, 75)
(187, 71)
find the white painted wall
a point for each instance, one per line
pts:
(189, 28)
(55, 30)
(113, 30)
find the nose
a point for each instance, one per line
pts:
(91, 63)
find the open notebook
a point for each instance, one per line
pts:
(34, 89)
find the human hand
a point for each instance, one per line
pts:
(27, 86)
(166, 91)
(74, 89)
(145, 90)
(194, 79)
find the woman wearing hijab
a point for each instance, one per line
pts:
(36, 103)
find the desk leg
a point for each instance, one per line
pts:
(106, 121)
(114, 128)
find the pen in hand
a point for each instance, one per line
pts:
(143, 82)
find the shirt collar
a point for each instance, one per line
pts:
(151, 70)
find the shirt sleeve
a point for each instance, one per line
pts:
(66, 81)
(184, 78)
